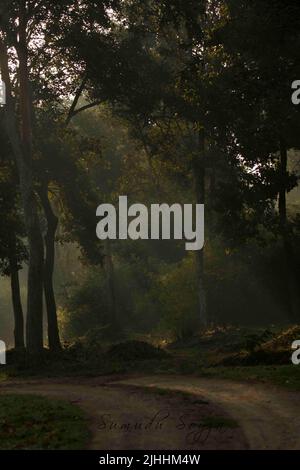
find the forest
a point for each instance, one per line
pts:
(186, 102)
(126, 336)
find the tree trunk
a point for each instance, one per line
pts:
(109, 269)
(52, 222)
(282, 190)
(199, 179)
(17, 305)
(291, 272)
(22, 152)
(34, 324)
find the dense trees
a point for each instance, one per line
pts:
(206, 115)
(263, 101)
(24, 28)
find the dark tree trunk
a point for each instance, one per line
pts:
(52, 222)
(109, 268)
(22, 153)
(282, 190)
(291, 271)
(17, 304)
(199, 178)
(34, 325)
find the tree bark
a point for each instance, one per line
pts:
(199, 179)
(22, 152)
(291, 272)
(17, 305)
(52, 223)
(109, 268)
(282, 190)
(34, 325)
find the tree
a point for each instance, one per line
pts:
(13, 252)
(143, 76)
(31, 32)
(259, 82)
(16, 36)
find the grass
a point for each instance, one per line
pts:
(284, 376)
(3, 376)
(287, 376)
(218, 352)
(36, 423)
(218, 422)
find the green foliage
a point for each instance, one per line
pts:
(283, 339)
(169, 71)
(164, 300)
(12, 232)
(287, 376)
(253, 341)
(135, 350)
(88, 307)
(35, 423)
(65, 161)
(219, 422)
(263, 348)
(176, 290)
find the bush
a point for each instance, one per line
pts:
(176, 289)
(87, 308)
(284, 339)
(135, 350)
(264, 351)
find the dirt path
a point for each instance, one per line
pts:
(269, 417)
(124, 415)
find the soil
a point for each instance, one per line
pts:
(135, 413)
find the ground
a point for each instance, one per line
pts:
(35, 422)
(226, 388)
(142, 412)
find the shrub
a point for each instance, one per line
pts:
(135, 350)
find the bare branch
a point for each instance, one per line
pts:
(86, 106)
(75, 100)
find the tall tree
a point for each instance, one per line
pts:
(21, 144)
(145, 59)
(13, 252)
(259, 82)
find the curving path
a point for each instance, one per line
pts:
(269, 416)
(125, 414)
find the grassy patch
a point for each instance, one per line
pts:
(286, 376)
(3, 376)
(33, 422)
(217, 422)
(81, 360)
(233, 353)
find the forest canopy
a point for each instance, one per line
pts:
(164, 102)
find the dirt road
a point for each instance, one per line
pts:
(123, 414)
(269, 417)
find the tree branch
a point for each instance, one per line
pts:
(75, 100)
(86, 106)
